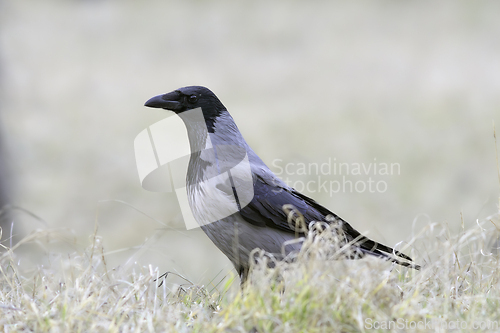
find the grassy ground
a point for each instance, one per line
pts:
(457, 287)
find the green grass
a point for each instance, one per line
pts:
(458, 285)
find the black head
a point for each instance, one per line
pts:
(189, 98)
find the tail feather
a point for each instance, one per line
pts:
(377, 253)
(371, 247)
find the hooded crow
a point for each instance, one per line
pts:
(237, 200)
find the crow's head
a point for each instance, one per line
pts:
(189, 98)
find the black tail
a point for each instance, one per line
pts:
(367, 246)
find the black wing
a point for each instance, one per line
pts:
(266, 210)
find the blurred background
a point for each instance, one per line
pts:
(415, 83)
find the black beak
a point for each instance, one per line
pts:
(169, 101)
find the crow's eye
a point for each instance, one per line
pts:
(193, 99)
